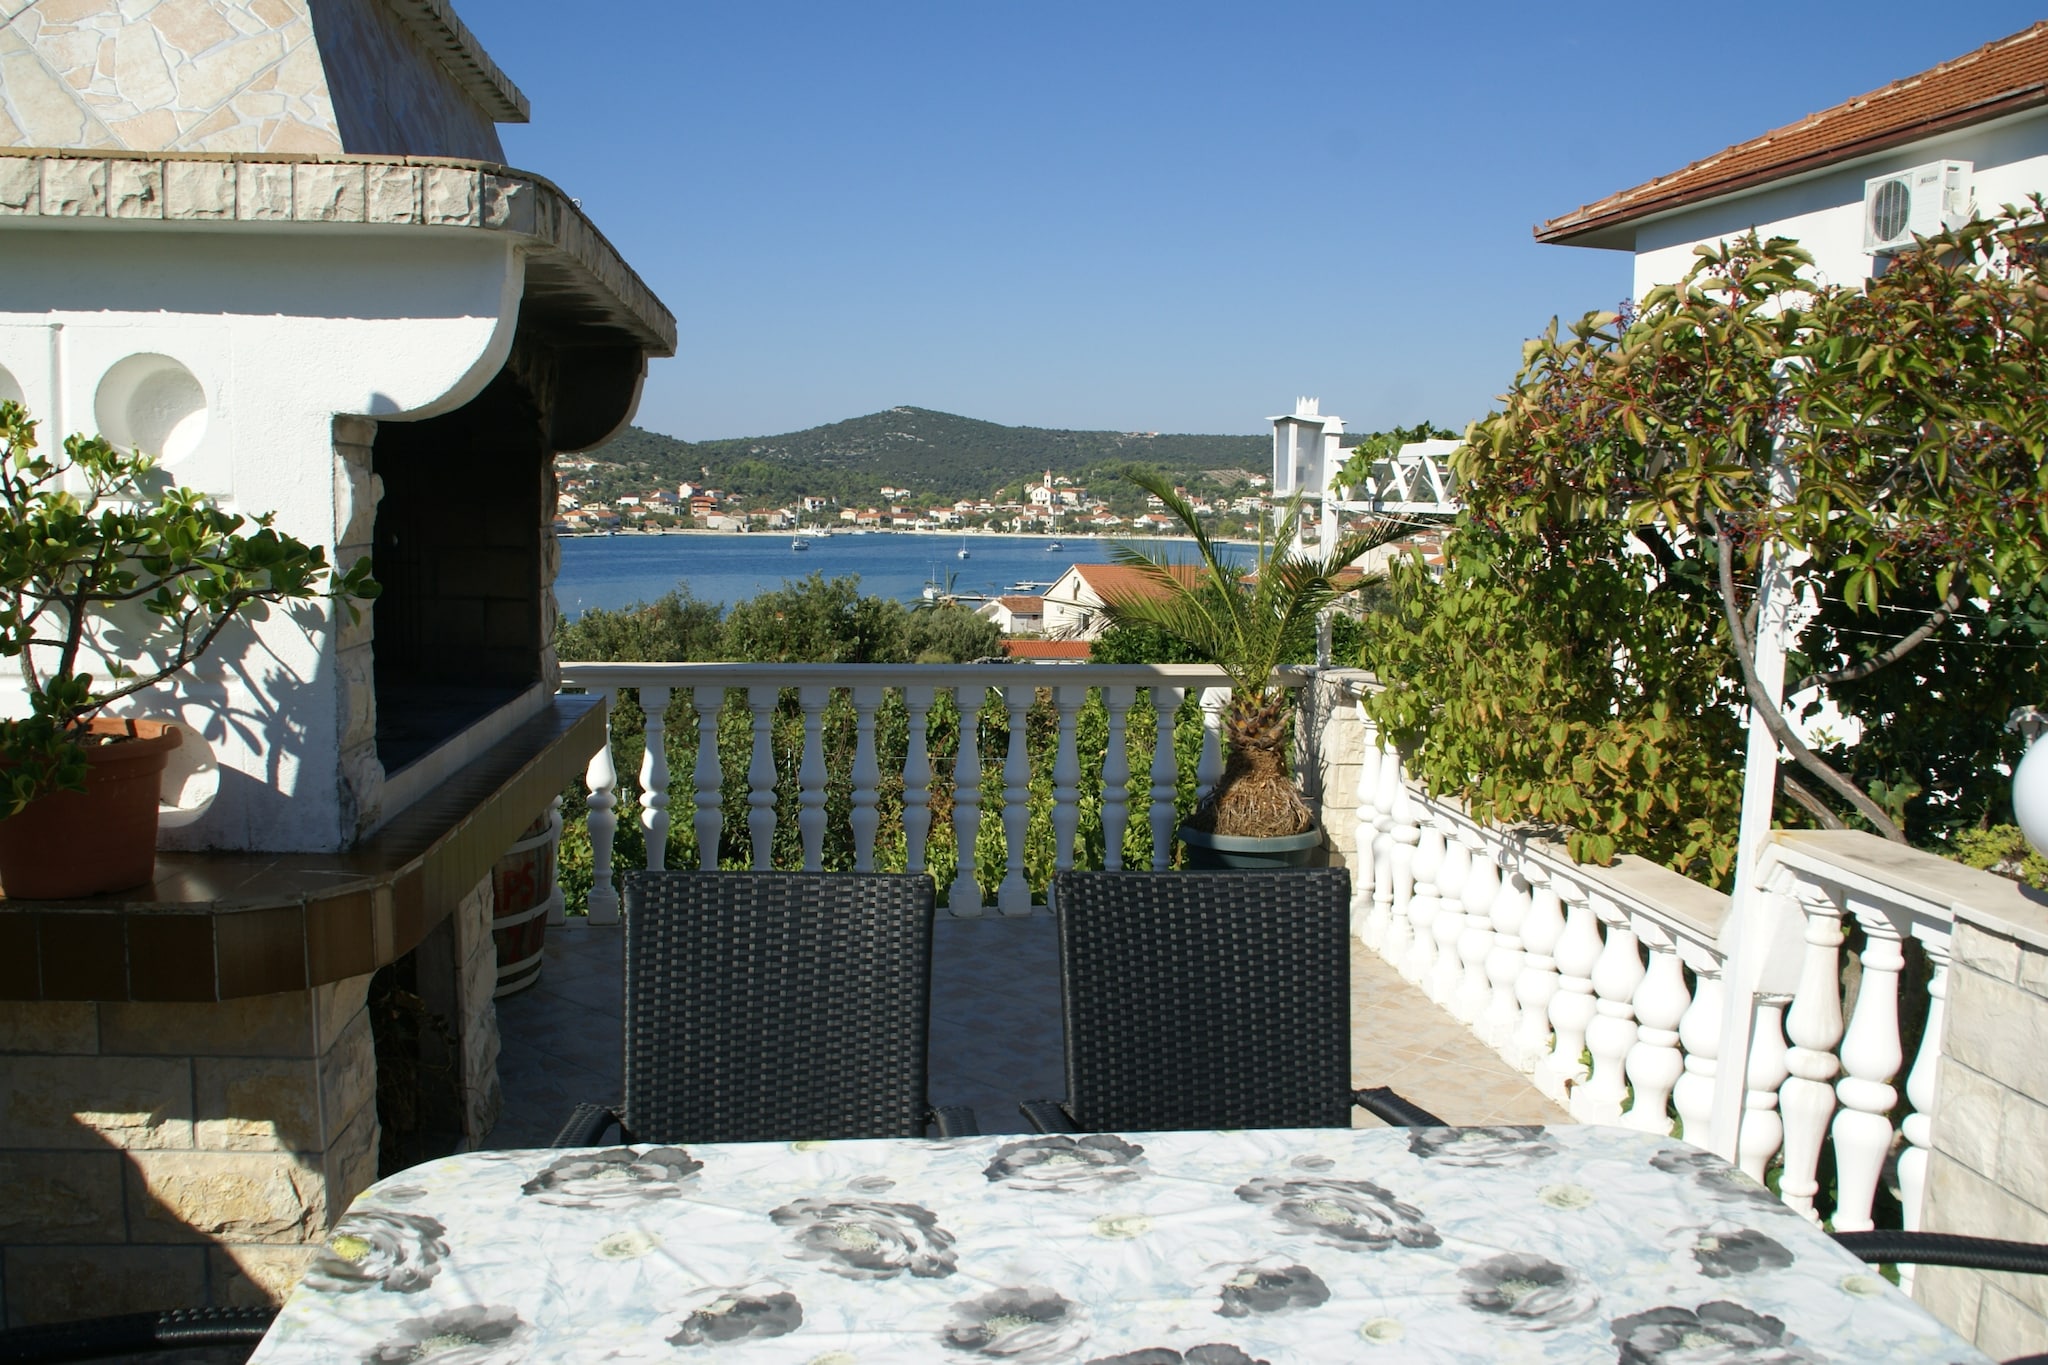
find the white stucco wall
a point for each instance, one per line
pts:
(1825, 211)
(281, 332)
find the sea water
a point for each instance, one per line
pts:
(618, 571)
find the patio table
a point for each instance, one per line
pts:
(1212, 1248)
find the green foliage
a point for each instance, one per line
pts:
(951, 635)
(2004, 850)
(673, 628)
(102, 559)
(1892, 442)
(1556, 682)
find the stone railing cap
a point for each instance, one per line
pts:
(1982, 898)
(569, 260)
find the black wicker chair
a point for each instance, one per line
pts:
(1883, 1247)
(1208, 1000)
(173, 1329)
(764, 1006)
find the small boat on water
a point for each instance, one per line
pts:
(1052, 545)
(799, 544)
(963, 551)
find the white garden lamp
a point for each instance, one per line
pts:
(2030, 778)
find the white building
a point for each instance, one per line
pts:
(1851, 182)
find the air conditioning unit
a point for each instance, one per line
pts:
(1923, 201)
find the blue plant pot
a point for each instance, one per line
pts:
(1211, 852)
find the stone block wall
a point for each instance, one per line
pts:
(166, 1155)
(1329, 751)
(1988, 1172)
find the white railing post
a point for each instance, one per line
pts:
(1393, 873)
(1762, 1129)
(866, 816)
(1066, 775)
(964, 900)
(810, 815)
(1573, 1007)
(1699, 1037)
(1871, 1056)
(1116, 774)
(1475, 935)
(1922, 1084)
(1368, 917)
(708, 778)
(1504, 962)
(1612, 1032)
(1165, 705)
(654, 776)
(1814, 1026)
(556, 905)
(603, 780)
(1447, 925)
(1536, 984)
(1425, 902)
(917, 778)
(1209, 768)
(1655, 1063)
(761, 776)
(1013, 897)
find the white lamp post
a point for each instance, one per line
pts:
(2030, 778)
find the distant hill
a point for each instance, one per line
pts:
(937, 455)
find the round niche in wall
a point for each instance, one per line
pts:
(10, 391)
(153, 404)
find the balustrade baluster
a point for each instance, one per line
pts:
(1573, 1007)
(1807, 1096)
(1209, 768)
(1654, 1064)
(1368, 917)
(708, 778)
(917, 778)
(1425, 902)
(1922, 1085)
(1699, 1036)
(654, 776)
(866, 817)
(1504, 963)
(1447, 926)
(1165, 705)
(1612, 1030)
(964, 900)
(1871, 1056)
(1014, 896)
(761, 777)
(1763, 1127)
(1475, 935)
(557, 906)
(1393, 879)
(603, 780)
(1536, 983)
(1116, 775)
(1066, 776)
(810, 817)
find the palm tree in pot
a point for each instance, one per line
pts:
(1246, 619)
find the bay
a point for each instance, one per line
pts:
(617, 571)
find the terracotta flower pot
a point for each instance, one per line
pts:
(67, 844)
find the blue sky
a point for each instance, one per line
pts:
(1142, 216)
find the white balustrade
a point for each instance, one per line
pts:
(821, 692)
(1424, 901)
(1612, 1031)
(1573, 1007)
(1536, 984)
(1814, 1025)
(1447, 926)
(1475, 936)
(1504, 963)
(1654, 1064)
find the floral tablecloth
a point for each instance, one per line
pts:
(1507, 1244)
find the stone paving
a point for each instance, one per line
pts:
(995, 1036)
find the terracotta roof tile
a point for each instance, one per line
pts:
(1046, 649)
(1999, 78)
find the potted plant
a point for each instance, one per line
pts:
(103, 563)
(1246, 619)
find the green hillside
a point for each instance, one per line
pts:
(937, 455)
